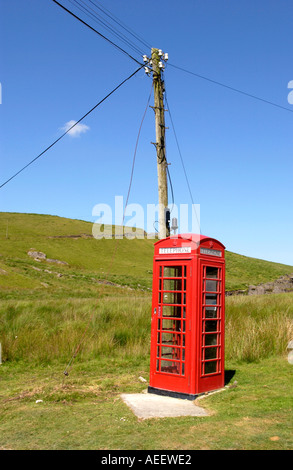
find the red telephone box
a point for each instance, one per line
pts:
(188, 313)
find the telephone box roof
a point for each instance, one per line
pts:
(193, 237)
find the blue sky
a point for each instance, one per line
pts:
(237, 151)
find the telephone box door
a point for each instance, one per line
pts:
(212, 298)
(171, 324)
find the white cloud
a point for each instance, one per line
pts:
(77, 130)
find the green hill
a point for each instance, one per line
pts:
(89, 261)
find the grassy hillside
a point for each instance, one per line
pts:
(47, 310)
(89, 260)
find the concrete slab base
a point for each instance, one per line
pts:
(149, 405)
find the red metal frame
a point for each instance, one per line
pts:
(188, 314)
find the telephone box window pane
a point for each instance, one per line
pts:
(172, 284)
(211, 325)
(183, 368)
(211, 272)
(170, 353)
(183, 354)
(184, 271)
(171, 311)
(170, 366)
(211, 299)
(210, 367)
(210, 353)
(211, 340)
(211, 286)
(172, 298)
(172, 271)
(171, 339)
(174, 325)
(160, 271)
(211, 312)
(158, 366)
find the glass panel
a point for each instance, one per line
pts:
(211, 286)
(211, 272)
(173, 284)
(211, 325)
(171, 311)
(183, 368)
(184, 271)
(171, 339)
(210, 367)
(211, 340)
(170, 353)
(172, 298)
(210, 353)
(211, 312)
(183, 354)
(211, 299)
(172, 271)
(170, 366)
(158, 365)
(174, 325)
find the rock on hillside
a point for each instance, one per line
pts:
(40, 256)
(283, 284)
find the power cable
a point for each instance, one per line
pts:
(119, 22)
(69, 365)
(97, 32)
(231, 88)
(171, 187)
(97, 18)
(182, 161)
(68, 130)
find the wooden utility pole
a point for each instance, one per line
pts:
(164, 226)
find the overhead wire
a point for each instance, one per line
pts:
(90, 12)
(168, 164)
(231, 88)
(97, 32)
(120, 23)
(182, 162)
(77, 349)
(68, 130)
